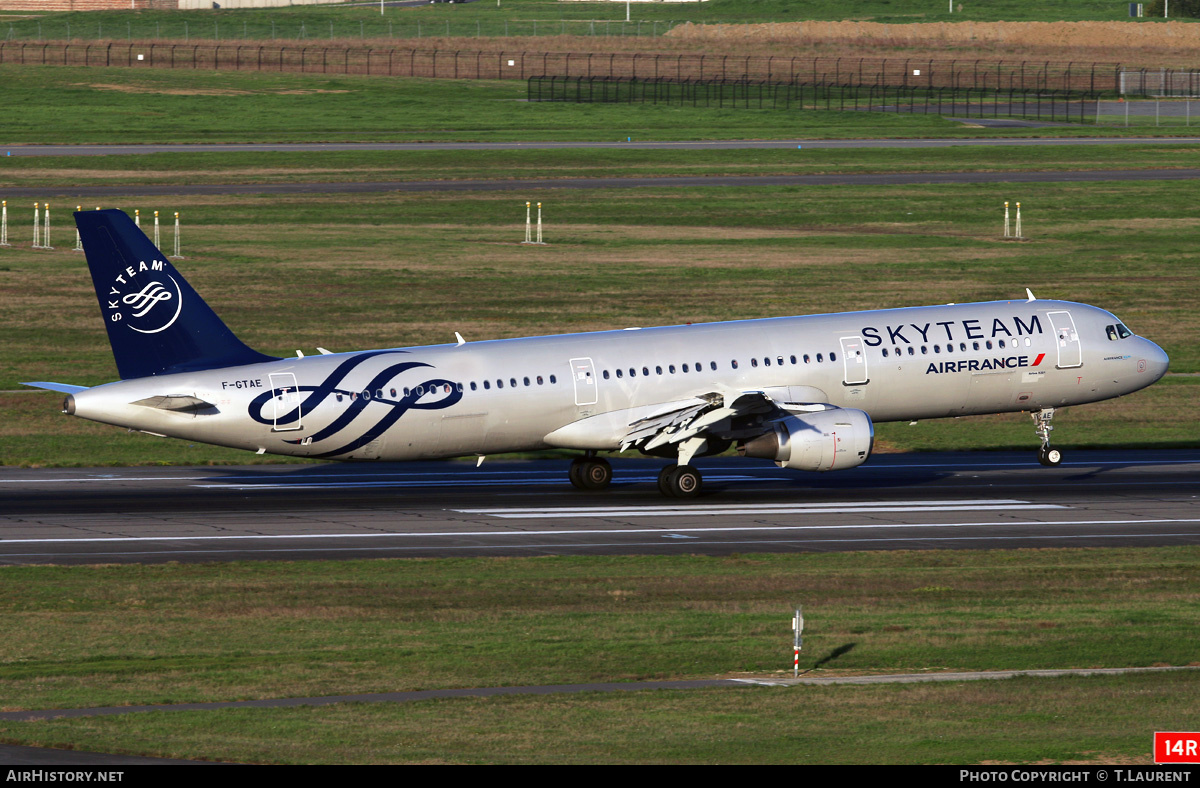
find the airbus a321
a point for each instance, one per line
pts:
(801, 391)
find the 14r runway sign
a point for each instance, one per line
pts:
(1176, 747)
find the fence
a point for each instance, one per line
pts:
(1158, 82)
(482, 64)
(1048, 105)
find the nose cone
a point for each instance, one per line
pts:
(1156, 361)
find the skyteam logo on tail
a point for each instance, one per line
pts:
(146, 303)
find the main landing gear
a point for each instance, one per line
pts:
(1046, 455)
(590, 473)
(679, 481)
(675, 481)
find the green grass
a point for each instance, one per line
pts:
(175, 633)
(64, 105)
(1019, 721)
(134, 106)
(519, 18)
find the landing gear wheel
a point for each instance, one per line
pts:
(664, 476)
(683, 481)
(575, 473)
(1050, 457)
(596, 474)
(590, 473)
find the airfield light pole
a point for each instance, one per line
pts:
(4, 223)
(177, 255)
(797, 628)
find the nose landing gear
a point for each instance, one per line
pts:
(1046, 455)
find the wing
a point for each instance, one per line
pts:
(713, 420)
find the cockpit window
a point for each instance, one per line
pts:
(1117, 331)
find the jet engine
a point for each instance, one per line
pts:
(827, 440)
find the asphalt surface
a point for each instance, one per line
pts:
(513, 508)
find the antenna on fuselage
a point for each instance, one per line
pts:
(1029, 293)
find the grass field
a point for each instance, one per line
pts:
(123, 635)
(76, 105)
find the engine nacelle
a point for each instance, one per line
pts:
(826, 440)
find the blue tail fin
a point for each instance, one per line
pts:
(156, 322)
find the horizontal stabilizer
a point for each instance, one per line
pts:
(180, 403)
(65, 388)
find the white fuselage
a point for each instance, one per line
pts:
(583, 390)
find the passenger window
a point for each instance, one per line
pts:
(487, 384)
(526, 381)
(766, 362)
(820, 358)
(911, 351)
(540, 380)
(632, 372)
(658, 370)
(733, 363)
(712, 365)
(754, 362)
(620, 374)
(671, 369)
(499, 384)
(685, 368)
(885, 355)
(989, 344)
(793, 361)
(606, 374)
(645, 372)
(806, 359)
(833, 356)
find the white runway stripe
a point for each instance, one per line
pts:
(847, 507)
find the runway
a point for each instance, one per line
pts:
(509, 508)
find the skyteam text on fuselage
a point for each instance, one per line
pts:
(801, 391)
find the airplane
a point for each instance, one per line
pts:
(801, 391)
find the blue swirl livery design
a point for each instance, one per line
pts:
(361, 415)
